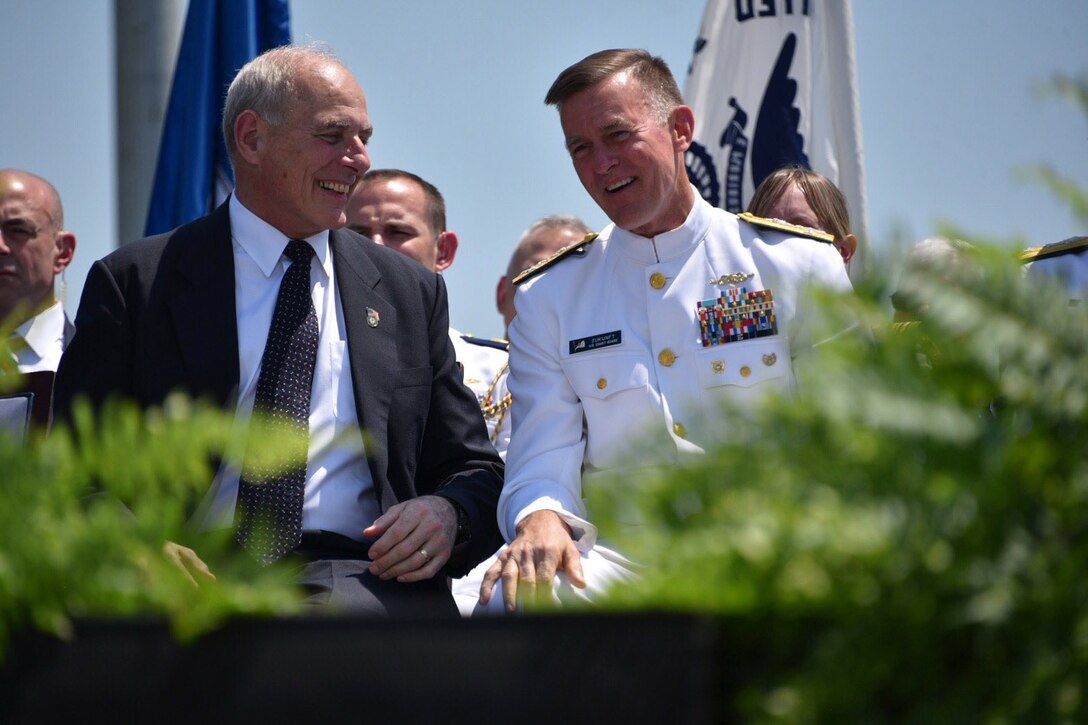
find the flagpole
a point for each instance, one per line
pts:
(146, 38)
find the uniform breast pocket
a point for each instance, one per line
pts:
(599, 377)
(748, 368)
(617, 400)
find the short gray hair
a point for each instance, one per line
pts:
(266, 85)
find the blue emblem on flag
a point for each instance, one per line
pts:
(734, 137)
(703, 173)
(775, 143)
(777, 140)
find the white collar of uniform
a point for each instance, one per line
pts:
(264, 243)
(40, 331)
(671, 244)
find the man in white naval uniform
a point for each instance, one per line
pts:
(609, 345)
(1064, 262)
(400, 210)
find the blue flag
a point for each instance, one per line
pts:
(193, 172)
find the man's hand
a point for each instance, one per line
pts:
(415, 539)
(543, 547)
(186, 560)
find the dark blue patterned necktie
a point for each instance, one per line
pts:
(268, 520)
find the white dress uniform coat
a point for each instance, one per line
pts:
(608, 347)
(484, 364)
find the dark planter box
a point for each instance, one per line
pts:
(524, 669)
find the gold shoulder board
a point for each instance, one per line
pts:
(577, 249)
(1072, 244)
(785, 227)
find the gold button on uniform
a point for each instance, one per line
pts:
(666, 357)
(680, 430)
(657, 280)
(745, 371)
(602, 384)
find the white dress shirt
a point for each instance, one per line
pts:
(43, 338)
(339, 495)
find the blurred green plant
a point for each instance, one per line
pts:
(904, 540)
(85, 514)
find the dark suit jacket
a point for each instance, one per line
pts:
(158, 315)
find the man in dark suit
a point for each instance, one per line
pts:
(383, 522)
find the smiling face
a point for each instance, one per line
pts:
(297, 176)
(393, 212)
(627, 158)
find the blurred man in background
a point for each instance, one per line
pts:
(34, 249)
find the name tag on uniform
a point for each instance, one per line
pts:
(595, 342)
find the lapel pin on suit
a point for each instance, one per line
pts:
(372, 317)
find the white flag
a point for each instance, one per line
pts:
(774, 82)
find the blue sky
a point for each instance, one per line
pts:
(455, 92)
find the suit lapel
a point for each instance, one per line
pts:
(370, 323)
(204, 308)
